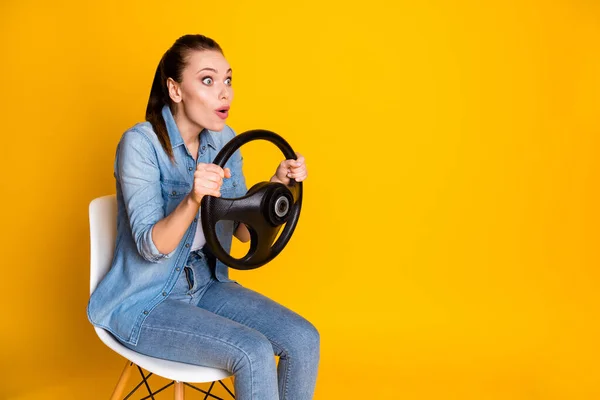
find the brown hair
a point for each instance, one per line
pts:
(171, 65)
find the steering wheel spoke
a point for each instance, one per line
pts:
(262, 237)
(294, 188)
(244, 209)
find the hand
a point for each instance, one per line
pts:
(208, 179)
(291, 169)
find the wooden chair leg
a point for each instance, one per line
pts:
(179, 391)
(232, 377)
(118, 392)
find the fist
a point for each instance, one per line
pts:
(292, 169)
(208, 179)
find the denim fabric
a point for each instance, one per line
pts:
(218, 324)
(148, 187)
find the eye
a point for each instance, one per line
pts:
(228, 81)
(207, 81)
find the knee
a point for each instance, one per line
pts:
(261, 348)
(304, 339)
(257, 349)
(311, 336)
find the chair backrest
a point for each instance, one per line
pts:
(103, 233)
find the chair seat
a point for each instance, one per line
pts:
(176, 371)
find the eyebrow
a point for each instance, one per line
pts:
(212, 69)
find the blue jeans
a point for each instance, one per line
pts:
(224, 325)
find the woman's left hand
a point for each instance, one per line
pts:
(291, 169)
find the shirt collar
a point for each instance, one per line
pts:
(175, 135)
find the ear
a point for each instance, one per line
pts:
(174, 90)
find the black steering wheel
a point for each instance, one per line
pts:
(263, 209)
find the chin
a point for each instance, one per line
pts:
(216, 126)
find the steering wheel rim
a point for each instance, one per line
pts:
(265, 208)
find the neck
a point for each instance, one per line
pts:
(187, 129)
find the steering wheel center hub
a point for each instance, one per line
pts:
(282, 206)
(279, 205)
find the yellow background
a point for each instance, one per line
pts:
(448, 244)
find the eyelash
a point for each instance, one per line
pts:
(210, 77)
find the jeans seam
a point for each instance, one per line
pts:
(287, 366)
(197, 297)
(213, 338)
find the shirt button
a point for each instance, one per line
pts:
(187, 245)
(190, 168)
(174, 193)
(203, 148)
(195, 219)
(164, 293)
(145, 312)
(177, 269)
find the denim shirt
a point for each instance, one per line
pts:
(149, 187)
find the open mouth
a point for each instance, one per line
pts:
(223, 112)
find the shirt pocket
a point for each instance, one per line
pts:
(173, 192)
(228, 187)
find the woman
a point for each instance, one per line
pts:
(166, 295)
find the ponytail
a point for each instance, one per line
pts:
(156, 102)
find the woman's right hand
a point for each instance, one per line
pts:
(208, 179)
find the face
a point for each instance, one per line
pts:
(204, 95)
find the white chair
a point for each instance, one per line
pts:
(103, 215)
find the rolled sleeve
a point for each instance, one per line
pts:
(138, 174)
(147, 248)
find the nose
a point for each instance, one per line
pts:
(224, 93)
